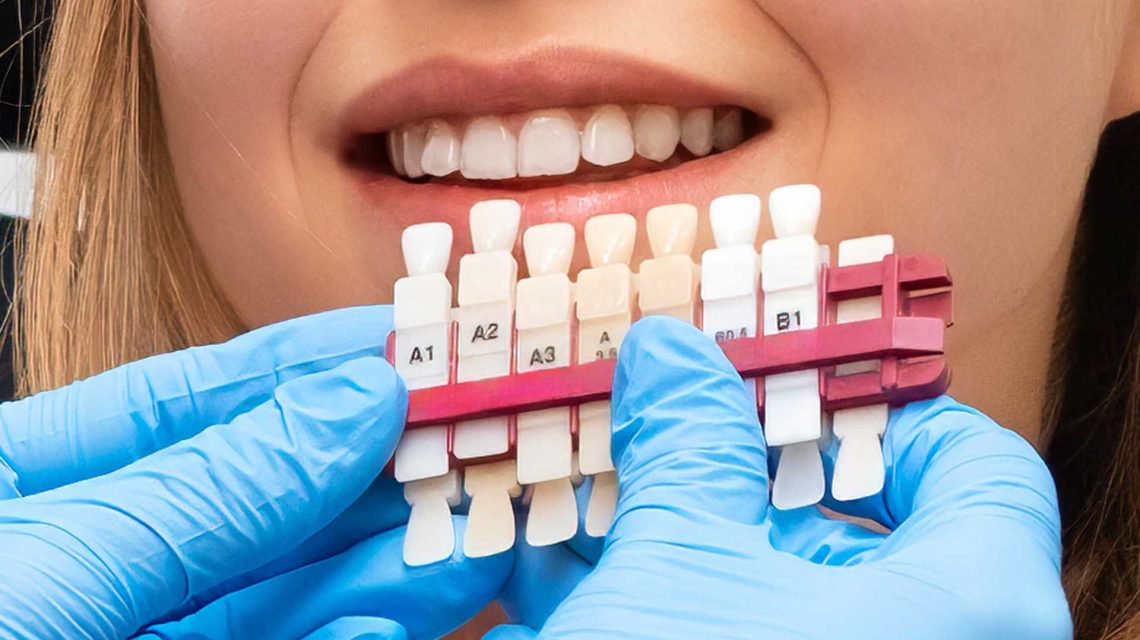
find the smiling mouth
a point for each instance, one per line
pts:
(553, 146)
(566, 133)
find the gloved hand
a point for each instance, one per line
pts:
(226, 489)
(696, 551)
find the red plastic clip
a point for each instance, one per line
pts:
(907, 341)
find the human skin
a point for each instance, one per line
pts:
(963, 128)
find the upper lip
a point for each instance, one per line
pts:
(553, 77)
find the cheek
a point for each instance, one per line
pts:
(966, 128)
(227, 72)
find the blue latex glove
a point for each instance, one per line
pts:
(222, 488)
(696, 551)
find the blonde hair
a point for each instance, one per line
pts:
(109, 273)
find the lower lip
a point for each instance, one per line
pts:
(693, 182)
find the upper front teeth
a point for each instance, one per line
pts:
(656, 132)
(441, 150)
(549, 145)
(608, 137)
(490, 151)
(552, 142)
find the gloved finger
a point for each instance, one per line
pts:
(510, 632)
(369, 579)
(686, 440)
(102, 423)
(957, 480)
(813, 536)
(541, 579)
(142, 539)
(360, 628)
(382, 507)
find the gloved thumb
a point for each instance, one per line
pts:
(360, 628)
(121, 549)
(686, 442)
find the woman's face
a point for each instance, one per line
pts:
(964, 128)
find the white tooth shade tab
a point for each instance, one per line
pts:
(495, 225)
(426, 247)
(859, 470)
(730, 273)
(792, 413)
(608, 137)
(697, 131)
(490, 151)
(728, 132)
(794, 210)
(735, 219)
(549, 145)
(441, 150)
(799, 478)
(656, 132)
(610, 239)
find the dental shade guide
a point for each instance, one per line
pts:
(486, 296)
(793, 420)
(431, 534)
(859, 470)
(490, 517)
(730, 273)
(879, 320)
(422, 344)
(544, 438)
(421, 328)
(667, 283)
(605, 294)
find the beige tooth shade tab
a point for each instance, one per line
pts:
(549, 248)
(490, 517)
(672, 229)
(604, 295)
(610, 239)
(667, 283)
(544, 444)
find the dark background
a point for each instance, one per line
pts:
(23, 31)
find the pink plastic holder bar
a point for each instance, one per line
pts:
(907, 341)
